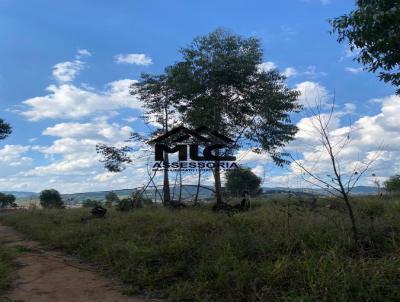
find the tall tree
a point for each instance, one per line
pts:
(373, 30)
(218, 83)
(5, 129)
(155, 93)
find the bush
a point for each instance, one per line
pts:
(51, 199)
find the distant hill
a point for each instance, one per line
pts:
(188, 192)
(22, 195)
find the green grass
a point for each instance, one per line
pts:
(6, 268)
(279, 251)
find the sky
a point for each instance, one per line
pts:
(66, 68)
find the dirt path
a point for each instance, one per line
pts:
(44, 276)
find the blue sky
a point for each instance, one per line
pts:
(53, 149)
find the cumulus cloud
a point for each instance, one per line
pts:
(312, 93)
(266, 66)
(67, 71)
(290, 72)
(377, 135)
(269, 65)
(13, 159)
(68, 101)
(134, 59)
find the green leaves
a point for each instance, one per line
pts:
(217, 83)
(373, 29)
(5, 129)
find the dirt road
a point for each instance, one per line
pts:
(44, 276)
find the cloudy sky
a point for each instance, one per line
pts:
(65, 69)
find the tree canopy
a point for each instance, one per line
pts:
(218, 83)
(6, 200)
(242, 179)
(5, 129)
(393, 183)
(373, 30)
(51, 199)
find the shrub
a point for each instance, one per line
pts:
(51, 199)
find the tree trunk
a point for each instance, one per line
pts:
(352, 218)
(180, 183)
(217, 180)
(166, 190)
(198, 188)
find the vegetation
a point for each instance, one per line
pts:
(393, 183)
(51, 199)
(279, 251)
(6, 200)
(5, 129)
(5, 268)
(218, 83)
(240, 180)
(111, 199)
(90, 203)
(372, 32)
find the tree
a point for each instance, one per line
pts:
(242, 179)
(111, 198)
(343, 177)
(5, 129)
(155, 93)
(393, 183)
(90, 203)
(51, 199)
(6, 200)
(373, 30)
(219, 84)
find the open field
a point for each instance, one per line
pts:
(278, 251)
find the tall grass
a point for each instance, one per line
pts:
(279, 251)
(6, 268)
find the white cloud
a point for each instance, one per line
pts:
(312, 93)
(354, 70)
(133, 58)
(368, 135)
(67, 71)
(266, 66)
(69, 101)
(290, 72)
(81, 53)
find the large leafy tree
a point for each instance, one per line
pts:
(373, 29)
(218, 84)
(5, 129)
(243, 179)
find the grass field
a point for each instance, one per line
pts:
(278, 251)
